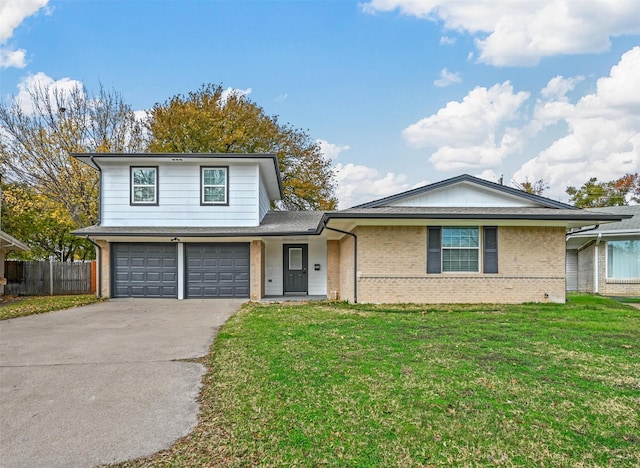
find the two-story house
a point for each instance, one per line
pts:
(200, 225)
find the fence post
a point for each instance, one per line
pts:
(50, 276)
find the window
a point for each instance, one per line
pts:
(460, 249)
(623, 259)
(215, 188)
(457, 249)
(144, 185)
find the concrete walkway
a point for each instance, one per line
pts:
(102, 383)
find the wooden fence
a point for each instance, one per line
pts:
(49, 278)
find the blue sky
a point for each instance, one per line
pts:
(398, 92)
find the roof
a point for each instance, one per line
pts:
(546, 202)
(268, 163)
(629, 225)
(275, 223)
(8, 242)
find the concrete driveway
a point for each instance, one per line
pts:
(103, 383)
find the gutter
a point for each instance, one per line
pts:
(596, 262)
(580, 231)
(355, 258)
(99, 258)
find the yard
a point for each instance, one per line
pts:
(13, 307)
(324, 384)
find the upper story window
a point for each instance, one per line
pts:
(457, 249)
(214, 186)
(144, 185)
(623, 259)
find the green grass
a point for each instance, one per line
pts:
(24, 306)
(329, 385)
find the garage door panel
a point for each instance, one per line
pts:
(145, 270)
(217, 270)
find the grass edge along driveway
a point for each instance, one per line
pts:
(24, 306)
(324, 384)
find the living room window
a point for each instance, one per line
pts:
(144, 185)
(456, 249)
(214, 186)
(623, 259)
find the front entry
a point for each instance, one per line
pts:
(295, 268)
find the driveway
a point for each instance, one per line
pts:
(103, 383)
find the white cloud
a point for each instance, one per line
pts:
(12, 58)
(330, 150)
(471, 133)
(446, 40)
(490, 175)
(447, 78)
(282, 97)
(603, 138)
(42, 81)
(233, 92)
(521, 33)
(358, 184)
(12, 13)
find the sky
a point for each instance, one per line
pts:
(398, 93)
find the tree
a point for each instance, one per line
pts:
(44, 225)
(37, 136)
(212, 120)
(536, 188)
(618, 192)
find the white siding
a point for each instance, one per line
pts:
(572, 270)
(274, 269)
(179, 198)
(265, 203)
(460, 195)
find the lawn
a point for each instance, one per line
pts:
(23, 306)
(325, 384)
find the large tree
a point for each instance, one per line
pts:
(38, 133)
(536, 188)
(617, 192)
(212, 120)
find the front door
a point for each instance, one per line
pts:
(295, 268)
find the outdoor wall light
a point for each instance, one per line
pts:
(175, 239)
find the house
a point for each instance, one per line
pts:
(7, 244)
(200, 225)
(605, 259)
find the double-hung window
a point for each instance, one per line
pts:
(214, 184)
(144, 185)
(458, 249)
(623, 259)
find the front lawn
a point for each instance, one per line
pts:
(324, 384)
(23, 306)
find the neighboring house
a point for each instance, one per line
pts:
(605, 259)
(200, 225)
(7, 244)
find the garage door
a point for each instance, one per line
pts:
(144, 270)
(217, 270)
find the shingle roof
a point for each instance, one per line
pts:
(275, 223)
(473, 213)
(631, 224)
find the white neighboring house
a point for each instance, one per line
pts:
(199, 225)
(605, 259)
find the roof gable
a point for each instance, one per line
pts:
(465, 191)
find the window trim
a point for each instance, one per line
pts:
(226, 183)
(477, 249)
(132, 186)
(611, 279)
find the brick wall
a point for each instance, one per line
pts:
(346, 268)
(333, 269)
(105, 265)
(257, 252)
(614, 287)
(392, 268)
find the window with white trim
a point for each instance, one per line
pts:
(144, 185)
(460, 249)
(623, 259)
(214, 186)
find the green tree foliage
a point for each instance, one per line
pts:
(37, 136)
(211, 120)
(44, 225)
(618, 192)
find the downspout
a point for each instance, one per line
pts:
(99, 258)
(596, 261)
(355, 259)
